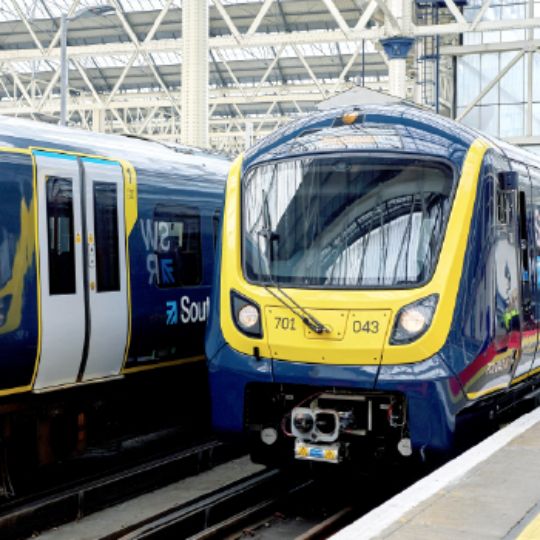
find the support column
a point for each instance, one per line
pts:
(248, 134)
(530, 70)
(397, 49)
(194, 122)
(64, 70)
(98, 119)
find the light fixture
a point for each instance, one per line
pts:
(413, 320)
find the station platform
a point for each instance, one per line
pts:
(490, 492)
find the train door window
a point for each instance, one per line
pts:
(523, 236)
(215, 226)
(524, 196)
(60, 232)
(106, 237)
(178, 246)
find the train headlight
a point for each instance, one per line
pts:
(413, 320)
(246, 315)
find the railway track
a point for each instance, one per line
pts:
(24, 518)
(220, 511)
(271, 504)
(267, 505)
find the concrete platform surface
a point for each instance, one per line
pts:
(135, 510)
(490, 492)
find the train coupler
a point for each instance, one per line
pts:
(332, 425)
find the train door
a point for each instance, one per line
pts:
(106, 268)
(84, 312)
(63, 317)
(527, 272)
(506, 265)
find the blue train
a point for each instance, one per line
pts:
(378, 286)
(106, 258)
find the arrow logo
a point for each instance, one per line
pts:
(172, 312)
(166, 271)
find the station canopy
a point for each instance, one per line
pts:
(268, 60)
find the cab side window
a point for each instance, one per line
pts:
(178, 247)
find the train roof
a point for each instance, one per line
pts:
(390, 127)
(142, 154)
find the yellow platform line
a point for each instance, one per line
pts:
(532, 530)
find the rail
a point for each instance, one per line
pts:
(68, 504)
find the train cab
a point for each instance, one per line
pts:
(377, 282)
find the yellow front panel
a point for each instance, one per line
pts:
(334, 320)
(365, 348)
(355, 337)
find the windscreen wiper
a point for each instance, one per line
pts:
(307, 318)
(271, 236)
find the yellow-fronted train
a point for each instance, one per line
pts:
(378, 286)
(106, 259)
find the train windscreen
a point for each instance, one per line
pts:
(344, 221)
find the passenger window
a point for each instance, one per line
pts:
(179, 246)
(106, 237)
(60, 231)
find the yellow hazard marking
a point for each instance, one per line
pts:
(90, 238)
(532, 530)
(329, 454)
(78, 238)
(92, 285)
(302, 451)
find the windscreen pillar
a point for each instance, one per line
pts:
(194, 120)
(397, 50)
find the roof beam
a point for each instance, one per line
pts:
(307, 92)
(504, 46)
(260, 16)
(263, 39)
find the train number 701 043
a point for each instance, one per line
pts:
(285, 323)
(369, 327)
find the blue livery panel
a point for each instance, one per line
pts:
(173, 246)
(18, 276)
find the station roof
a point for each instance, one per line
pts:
(247, 65)
(268, 60)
